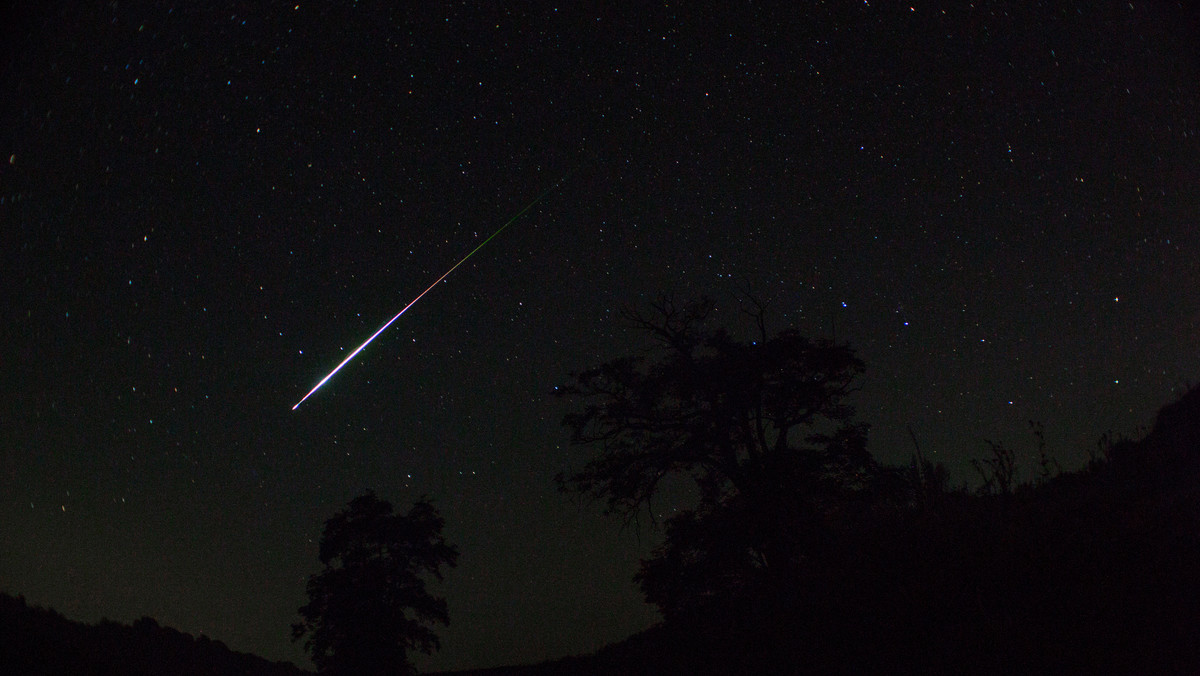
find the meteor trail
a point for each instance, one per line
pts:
(435, 283)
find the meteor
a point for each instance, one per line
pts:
(435, 283)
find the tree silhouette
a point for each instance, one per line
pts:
(761, 428)
(370, 606)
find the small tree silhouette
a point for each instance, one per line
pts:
(369, 606)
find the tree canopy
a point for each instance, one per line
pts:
(369, 606)
(762, 428)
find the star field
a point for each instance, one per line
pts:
(203, 209)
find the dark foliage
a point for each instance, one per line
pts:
(763, 430)
(885, 569)
(40, 642)
(369, 606)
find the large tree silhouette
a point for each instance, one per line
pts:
(762, 428)
(370, 606)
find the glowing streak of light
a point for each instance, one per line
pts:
(414, 301)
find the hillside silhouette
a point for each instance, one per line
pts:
(1089, 571)
(40, 642)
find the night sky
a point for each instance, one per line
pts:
(204, 207)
